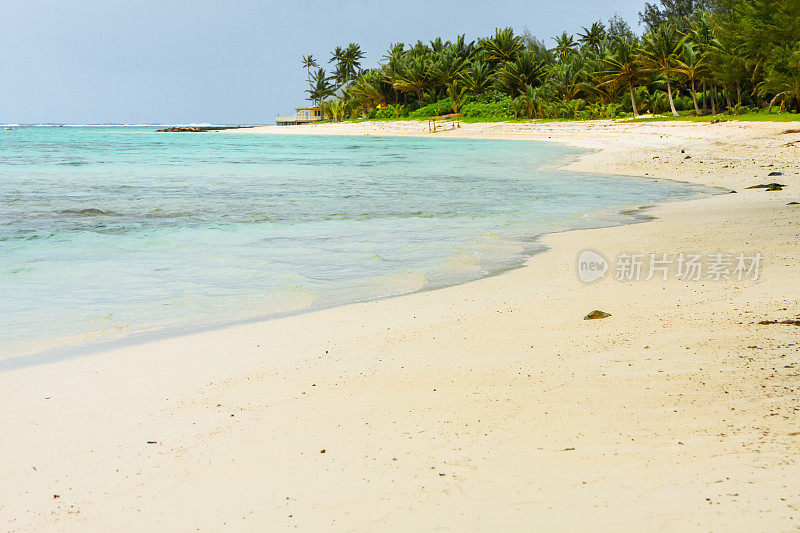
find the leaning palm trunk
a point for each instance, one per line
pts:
(633, 101)
(694, 99)
(774, 101)
(671, 101)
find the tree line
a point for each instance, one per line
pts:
(696, 56)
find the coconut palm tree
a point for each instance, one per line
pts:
(701, 33)
(513, 76)
(337, 58)
(446, 68)
(565, 45)
(351, 60)
(623, 68)
(503, 47)
(465, 50)
(308, 63)
(368, 89)
(592, 37)
(458, 95)
(567, 79)
(477, 78)
(413, 76)
(320, 87)
(659, 53)
(692, 64)
(782, 75)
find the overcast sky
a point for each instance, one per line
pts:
(225, 61)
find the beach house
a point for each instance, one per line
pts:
(303, 115)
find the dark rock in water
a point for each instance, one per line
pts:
(767, 186)
(596, 315)
(776, 173)
(88, 212)
(181, 129)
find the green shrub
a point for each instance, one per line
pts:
(442, 107)
(501, 109)
(491, 96)
(382, 113)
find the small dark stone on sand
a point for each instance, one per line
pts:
(732, 192)
(442, 475)
(793, 203)
(775, 173)
(688, 157)
(596, 314)
(773, 188)
(56, 496)
(322, 450)
(152, 442)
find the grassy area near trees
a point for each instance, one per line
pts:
(696, 58)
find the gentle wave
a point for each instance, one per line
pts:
(110, 232)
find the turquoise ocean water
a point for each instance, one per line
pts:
(117, 232)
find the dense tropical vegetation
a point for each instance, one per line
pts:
(695, 56)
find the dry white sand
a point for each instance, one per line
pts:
(482, 407)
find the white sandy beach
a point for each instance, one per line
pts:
(487, 406)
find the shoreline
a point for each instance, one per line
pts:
(488, 404)
(626, 215)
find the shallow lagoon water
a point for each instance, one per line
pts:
(108, 233)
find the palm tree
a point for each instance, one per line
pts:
(337, 57)
(413, 76)
(782, 75)
(368, 89)
(447, 68)
(465, 51)
(591, 38)
(308, 62)
(623, 68)
(566, 79)
(320, 87)
(351, 60)
(701, 33)
(513, 76)
(477, 78)
(692, 64)
(659, 53)
(504, 46)
(565, 45)
(458, 95)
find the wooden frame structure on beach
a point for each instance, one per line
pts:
(452, 118)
